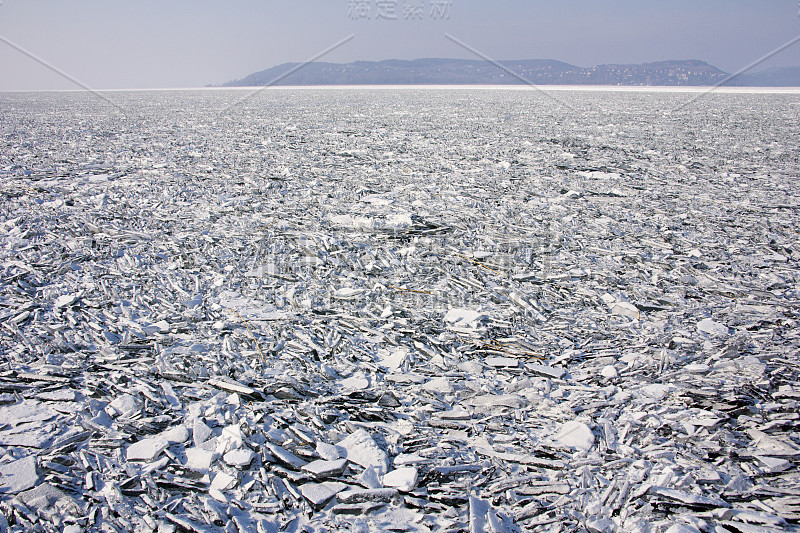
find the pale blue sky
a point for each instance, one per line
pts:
(112, 44)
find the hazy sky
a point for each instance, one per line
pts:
(111, 44)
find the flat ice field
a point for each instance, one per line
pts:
(461, 309)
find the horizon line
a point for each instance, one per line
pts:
(499, 86)
(649, 62)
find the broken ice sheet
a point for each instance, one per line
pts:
(318, 494)
(400, 291)
(323, 469)
(17, 476)
(712, 328)
(26, 411)
(576, 435)
(625, 309)
(285, 456)
(403, 479)
(362, 450)
(199, 459)
(463, 317)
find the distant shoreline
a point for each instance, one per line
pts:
(499, 87)
(540, 72)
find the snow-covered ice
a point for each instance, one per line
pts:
(406, 309)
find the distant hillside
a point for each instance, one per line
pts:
(465, 71)
(774, 77)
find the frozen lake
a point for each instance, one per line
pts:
(436, 309)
